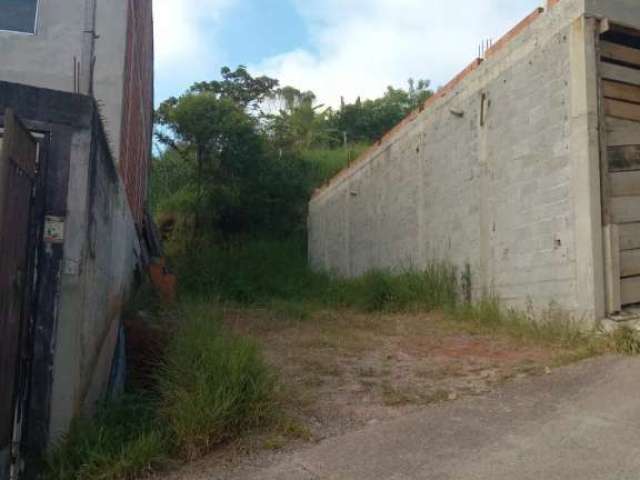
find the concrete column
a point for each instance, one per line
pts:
(585, 157)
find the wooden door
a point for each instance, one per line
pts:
(18, 167)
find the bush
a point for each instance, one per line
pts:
(214, 385)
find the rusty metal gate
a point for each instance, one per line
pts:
(18, 169)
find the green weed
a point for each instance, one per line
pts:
(626, 341)
(214, 385)
(261, 272)
(211, 387)
(123, 441)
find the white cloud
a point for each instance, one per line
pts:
(361, 46)
(185, 43)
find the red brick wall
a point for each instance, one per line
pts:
(137, 112)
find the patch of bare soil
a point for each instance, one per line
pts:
(342, 370)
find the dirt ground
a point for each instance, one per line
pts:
(340, 371)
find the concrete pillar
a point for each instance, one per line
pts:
(585, 157)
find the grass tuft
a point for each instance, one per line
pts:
(626, 341)
(123, 441)
(551, 328)
(214, 385)
(380, 291)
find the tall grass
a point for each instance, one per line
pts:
(211, 386)
(248, 273)
(123, 441)
(551, 327)
(260, 271)
(377, 291)
(214, 385)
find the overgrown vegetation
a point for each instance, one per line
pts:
(241, 155)
(260, 271)
(211, 386)
(126, 439)
(626, 341)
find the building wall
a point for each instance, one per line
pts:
(506, 197)
(626, 12)
(108, 75)
(137, 123)
(96, 278)
(83, 281)
(46, 59)
(50, 57)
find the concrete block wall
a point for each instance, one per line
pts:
(497, 194)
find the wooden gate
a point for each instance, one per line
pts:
(18, 168)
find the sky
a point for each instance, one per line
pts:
(336, 48)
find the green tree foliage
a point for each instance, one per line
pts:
(222, 140)
(240, 87)
(369, 120)
(300, 124)
(235, 170)
(238, 183)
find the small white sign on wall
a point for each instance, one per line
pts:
(54, 229)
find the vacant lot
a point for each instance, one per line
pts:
(341, 370)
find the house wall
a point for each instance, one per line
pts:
(108, 75)
(83, 282)
(515, 199)
(48, 58)
(101, 255)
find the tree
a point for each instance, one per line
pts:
(240, 183)
(299, 124)
(369, 120)
(221, 138)
(240, 87)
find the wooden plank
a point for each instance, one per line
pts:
(630, 263)
(620, 53)
(604, 154)
(630, 290)
(619, 73)
(626, 157)
(629, 236)
(622, 132)
(617, 27)
(624, 184)
(625, 209)
(612, 268)
(621, 91)
(620, 109)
